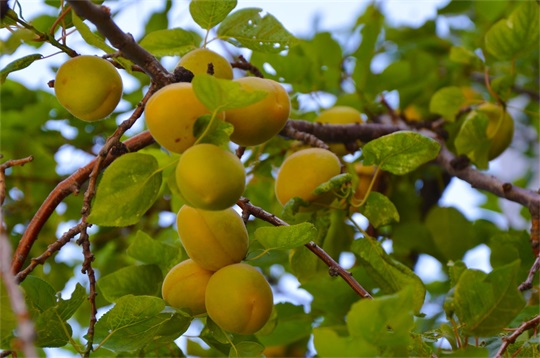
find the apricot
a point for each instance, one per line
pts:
(303, 171)
(340, 115)
(197, 62)
(89, 87)
(212, 239)
(184, 286)
(209, 177)
(260, 121)
(365, 176)
(500, 128)
(239, 299)
(170, 115)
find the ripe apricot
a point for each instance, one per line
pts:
(210, 178)
(340, 115)
(89, 87)
(197, 62)
(184, 286)
(170, 115)
(303, 171)
(260, 121)
(239, 299)
(212, 239)
(500, 128)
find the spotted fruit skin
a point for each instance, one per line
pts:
(171, 114)
(339, 115)
(89, 87)
(184, 287)
(262, 120)
(239, 299)
(303, 171)
(213, 239)
(500, 128)
(197, 62)
(210, 178)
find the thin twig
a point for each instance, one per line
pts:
(245, 65)
(334, 268)
(3, 167)
(525, 326)
(528, 284)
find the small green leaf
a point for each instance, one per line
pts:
(462, 55)
(135, 280)
(134, 322)
(66, 308)
(209, 13)
(218, 94)
(472, 139)
(285, 237)
(519, 33)
(150, 251)
(39, 292)
(129, 187)
(246, 28)
(329, 344)
(18, 64)
(88, 36)
(391, 275)
(447, 102)
(218, 134)
(170, 42)
(333, 184)
(401, 152)
(293, 325)
(51, 330)
(8, 319)
(246, 349)
(379, 210)
(486, 303)
(452, 233)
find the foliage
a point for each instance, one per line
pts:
(420, 112)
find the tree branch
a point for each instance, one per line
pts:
(125, 43)
(528, 284)
(525, 326)
(334, 268)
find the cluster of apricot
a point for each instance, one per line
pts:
(214, 280)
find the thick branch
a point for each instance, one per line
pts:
(65, 188)
(125, 43)
(333, 267)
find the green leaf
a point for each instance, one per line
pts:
(285, 237)
(150, 251)
(293, 324)
(391, 319)
(462, 55)
(170, 42)
(219, 132)
(91, 38)
(51, 330)
(39, 292)
(136, 280)
(334, 183)
(219, 94)
(246, 349)
(391, 275)
(447, 102)
(486, 303)
(129, 187)
(209, 13)
(246, 28)
(329, 344)
(66, 308)
(401, 152)
(510, 37)
(452, 233)
(18, 64)
(134, 322)
(379, 210)
(8, 319)
(472, 139)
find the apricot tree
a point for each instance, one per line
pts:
(201, 192)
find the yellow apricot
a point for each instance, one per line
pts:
(239, 299)
(170, 115)
(213, 239)
(197, 62)
(500, 128)
(89, 87)
(184, 286)
(303, 171)
(339, 115)
(365, 176)
(260, 121)
(210, 178)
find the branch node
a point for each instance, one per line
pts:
(507, 187)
